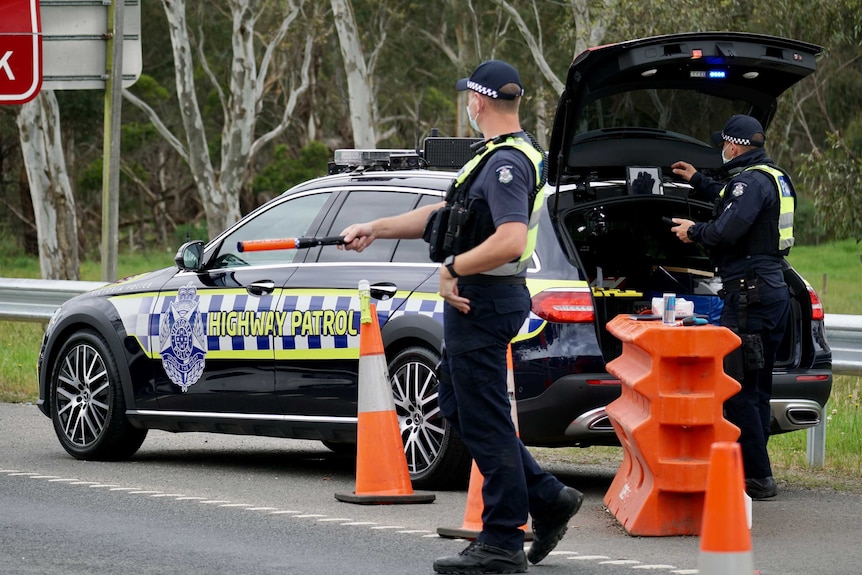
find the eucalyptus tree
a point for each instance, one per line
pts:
(257, 68)
(50, 190)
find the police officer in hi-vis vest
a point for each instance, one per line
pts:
(747, 241)
(483, 235)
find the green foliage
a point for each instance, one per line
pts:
(808, 227)
(148, 88)
(833, 176)
(286, 170)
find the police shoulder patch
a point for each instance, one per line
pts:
(738, 189)
(504, 174)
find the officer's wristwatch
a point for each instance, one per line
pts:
(449, 262)
(690, 233)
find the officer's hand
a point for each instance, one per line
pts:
(681, 229)
(357, 237)
(643, 183)
(449, 291)
(684, 170)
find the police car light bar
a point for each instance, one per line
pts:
(367, 158)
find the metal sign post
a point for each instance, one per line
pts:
(111, 144)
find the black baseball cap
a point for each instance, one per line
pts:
(742, 130)
(489, 77)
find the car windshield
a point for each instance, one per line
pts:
(687, 112)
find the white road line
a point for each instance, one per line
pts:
(620, 562)
(235, 505)
(261, 508)
(8, 471)
(285, 512)
(144, 492)
(654, 567)
(588, 557)
(160, 494)
(125, 488)
(60, 480)
(360, 523)
(331, 519)
(214, 501)
(389, 527)
(686, 572)
(97, 485)
(44, 477)
(311, 515)
(22, 474)
(189, 498)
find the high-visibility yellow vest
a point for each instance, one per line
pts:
(537, 158)
(785, 207)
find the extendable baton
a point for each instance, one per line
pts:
(288, 243)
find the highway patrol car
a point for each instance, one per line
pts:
(266, 342)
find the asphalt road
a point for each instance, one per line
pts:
(198, 503)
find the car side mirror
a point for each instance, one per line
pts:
(189, 257)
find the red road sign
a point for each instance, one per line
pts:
(20, 51)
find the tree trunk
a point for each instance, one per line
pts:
(359, 82)
(221, 205)
(50, 190)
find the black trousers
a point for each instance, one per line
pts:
(473, 396)
(749, 409)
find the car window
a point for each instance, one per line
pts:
(362, 207)
(415, 251)
(659, 110)
(289, 219)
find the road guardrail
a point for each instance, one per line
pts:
(36, 299)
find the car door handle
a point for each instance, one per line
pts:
(383, 290)
(261, 287)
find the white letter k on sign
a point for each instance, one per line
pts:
(4, 65)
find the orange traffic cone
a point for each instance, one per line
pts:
(382, 476)
(472, 523)
(725, 541)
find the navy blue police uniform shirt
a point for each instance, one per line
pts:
(504, 184)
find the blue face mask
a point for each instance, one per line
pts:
(473, 123)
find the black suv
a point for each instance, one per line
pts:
(266, 342)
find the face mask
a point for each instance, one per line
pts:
(723, 159)
(473, 123)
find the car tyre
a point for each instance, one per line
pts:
(436, 457)
(87, 402)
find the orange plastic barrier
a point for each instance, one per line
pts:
(473, 523)
(382, 475)
(725, 540)
(668, 415)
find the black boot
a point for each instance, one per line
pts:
(760, 489)
(550, 528)
(482, 558)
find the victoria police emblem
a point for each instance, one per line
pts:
(182, 339)
(504, 174)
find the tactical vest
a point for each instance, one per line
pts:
(467, 175)
(771, 234)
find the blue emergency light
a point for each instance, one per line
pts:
(718, 74)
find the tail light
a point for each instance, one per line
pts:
(565, 305)
(816, 305)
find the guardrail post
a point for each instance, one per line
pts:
(815, 452)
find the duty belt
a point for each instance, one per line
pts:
(735, 285)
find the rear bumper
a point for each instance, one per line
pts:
(572, 410)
